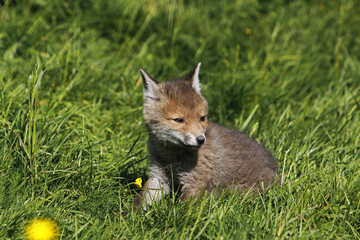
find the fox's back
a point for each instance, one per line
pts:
(236, 158)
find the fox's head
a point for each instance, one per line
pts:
(175, 111)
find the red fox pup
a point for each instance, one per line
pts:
(192, 154)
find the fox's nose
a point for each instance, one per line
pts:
(200, 139)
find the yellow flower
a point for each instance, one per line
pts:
(42, 229)
(138, 182)
(248, 31)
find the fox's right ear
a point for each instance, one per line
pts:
(193, 78)
(150, 85)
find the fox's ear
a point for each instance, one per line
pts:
(150, 85)
(193, 77)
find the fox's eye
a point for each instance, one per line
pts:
(202, 118)
(178, 120)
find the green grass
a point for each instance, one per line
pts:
(72, 136)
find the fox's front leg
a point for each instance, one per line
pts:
(154, 189)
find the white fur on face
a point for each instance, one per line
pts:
(167, 134)
(170, 135)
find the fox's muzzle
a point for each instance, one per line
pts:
(200, 139)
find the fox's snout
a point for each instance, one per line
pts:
(200, 139)
(194, 141)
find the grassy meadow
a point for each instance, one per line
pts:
(73, 140)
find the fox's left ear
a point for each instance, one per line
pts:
(150, 86)
(193, 78)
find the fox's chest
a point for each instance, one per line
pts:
(185, 168)
(191, 174)
(176, 159)
(180, 168)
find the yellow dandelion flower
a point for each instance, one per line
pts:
(41, 229)
(138, 182)
(248, 31)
